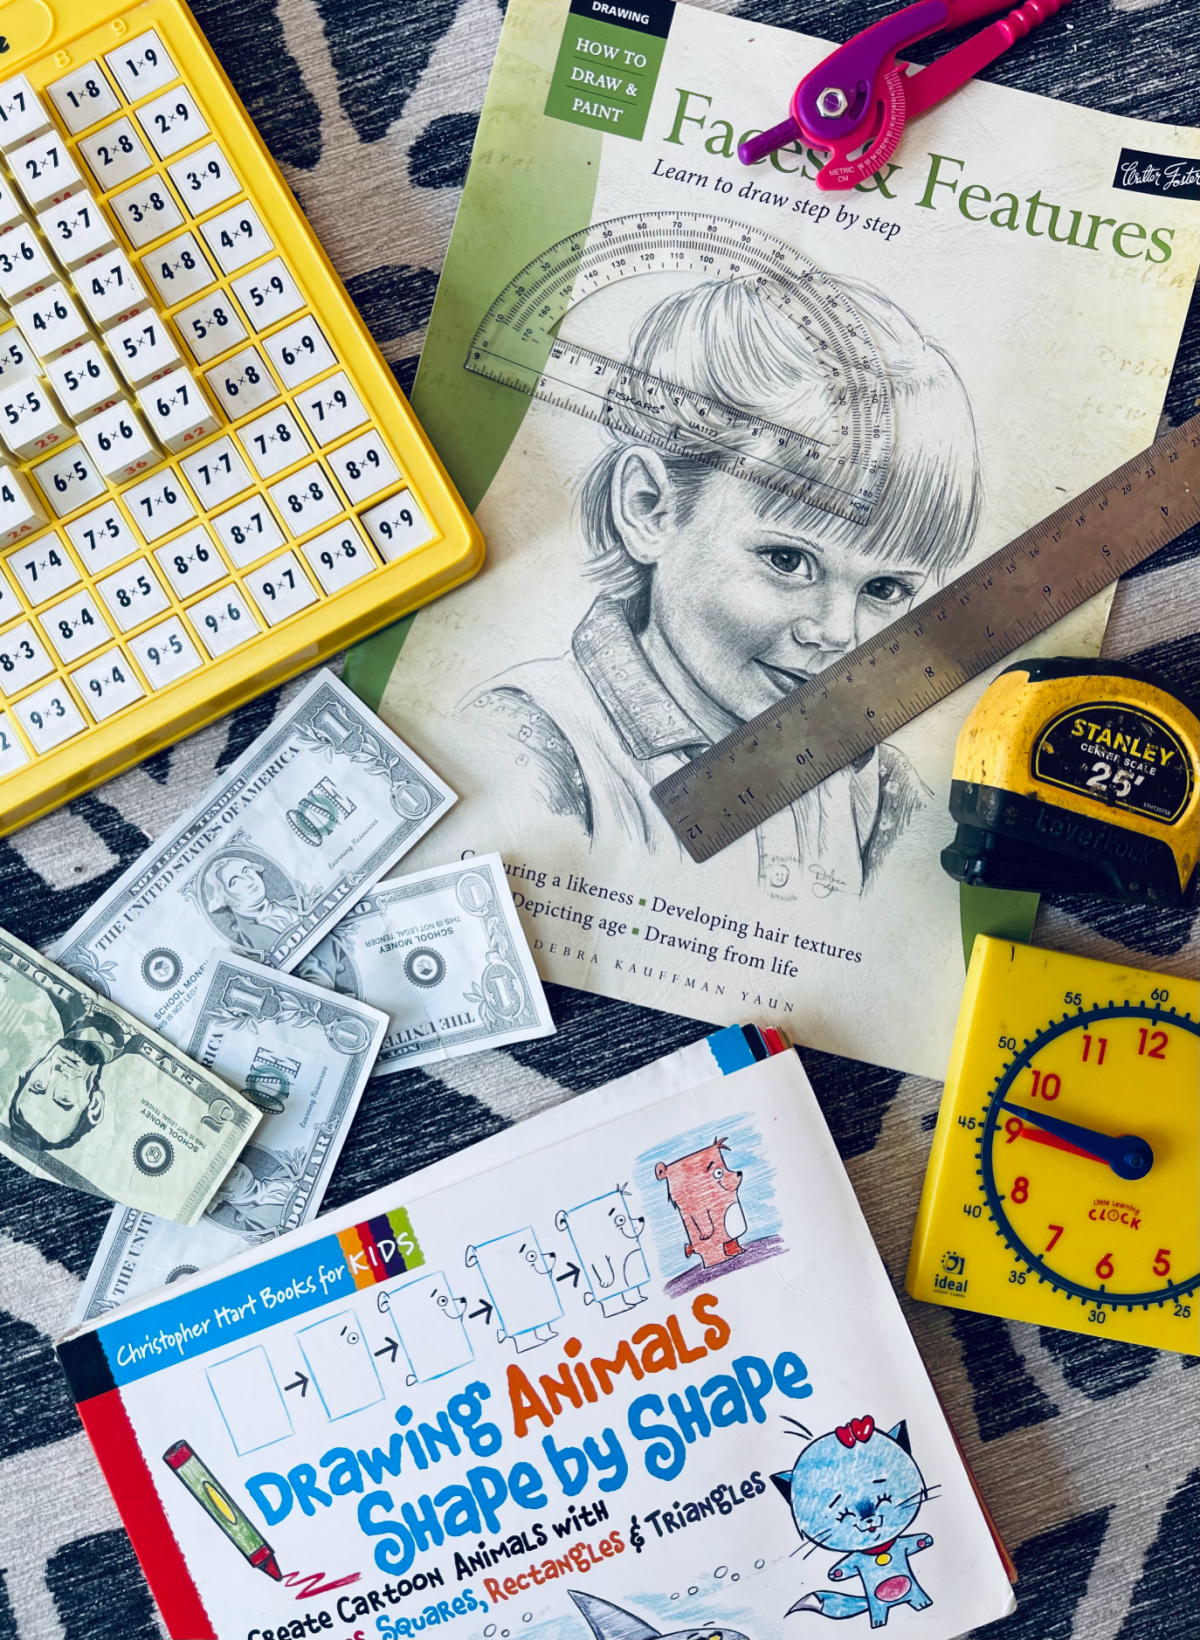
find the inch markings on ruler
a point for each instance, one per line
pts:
(840, 464)
(973, 623)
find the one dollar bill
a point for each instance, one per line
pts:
(302, 1055)
(276, 852)
(443, 954)
(89, 1097)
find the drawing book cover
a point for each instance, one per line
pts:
(719, 428)
(631, 1369)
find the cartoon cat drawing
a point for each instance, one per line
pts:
(609, 1622)
(854, 1491)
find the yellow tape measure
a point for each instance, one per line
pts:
(1078, 776)
(1063, 1182)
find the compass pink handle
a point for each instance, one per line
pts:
(953, 70)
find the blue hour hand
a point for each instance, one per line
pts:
(1128, 1156)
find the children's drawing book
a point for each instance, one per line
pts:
(719, 427)
(632, 1368)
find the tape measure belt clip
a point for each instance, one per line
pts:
(1081, 777)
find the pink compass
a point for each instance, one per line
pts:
(854, 104)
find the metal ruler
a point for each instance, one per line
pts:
(950, 638)
(840, 463)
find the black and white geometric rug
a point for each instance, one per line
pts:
(1086, 1450)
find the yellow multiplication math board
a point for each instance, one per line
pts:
(1063, 1184)
(209, 479)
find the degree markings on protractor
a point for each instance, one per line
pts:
(839, 466)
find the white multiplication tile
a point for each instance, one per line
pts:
(280, 588)
(210, 326)
(49, 716)
(166, 653)
(146, 211)
(236, 237)
(84, 382)
(44, 171)
(119, 444)
(191, 562)
(115, 154)
(158, 505)
(68, 479)
(172, 121)
(179, 269)
(10, 604)
(22, 112)
(111, 291)
(216, 473)
(78, 230)
(75, 626)
(24, 265)
(223, 620)
(107, 684)
(300, 352)
(82, 97)
(267, 294)
(21, 511)
(242, 384)
(51, 322)
(178, 413)
(331, 408)
(143, 348)
(101, 537)
(339, 556)
(273, 441)
(31, 420)
(364, 466)
(17, 359)
(133, 594)
(306, 499)
(204, 179)
(12, 753)
(23, 659)
(248, 530)
(42, 569)
(142, 65)
(398, 526)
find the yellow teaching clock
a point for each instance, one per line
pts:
(1063, 1183)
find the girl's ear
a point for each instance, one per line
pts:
(643, 503)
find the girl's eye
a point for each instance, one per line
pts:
(789, 561)
(886, 590)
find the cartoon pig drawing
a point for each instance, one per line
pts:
(705, 1192)
(606, 1237)
(517, 1275)
(428, 1321)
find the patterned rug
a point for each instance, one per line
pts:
(1086, 1450)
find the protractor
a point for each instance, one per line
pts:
(834, 453)
(1087, 1158)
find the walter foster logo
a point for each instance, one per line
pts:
(1169, 176)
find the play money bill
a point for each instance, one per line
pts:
(302, 1056)
(292, 835)
(92, 1099)
(443, 954)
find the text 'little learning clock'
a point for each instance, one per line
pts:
(1062, 1187)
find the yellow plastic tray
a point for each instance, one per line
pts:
(51, 47)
